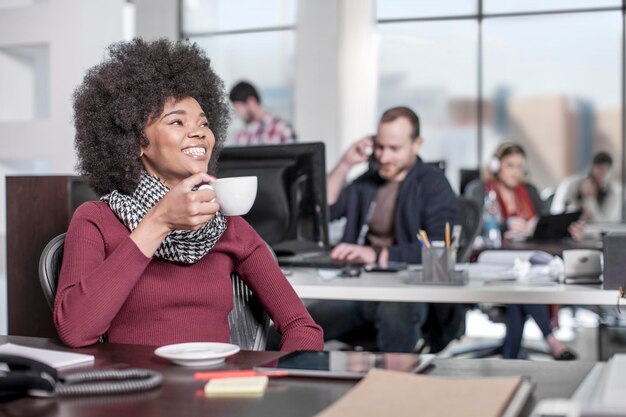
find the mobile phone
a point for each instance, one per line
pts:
(392, 266)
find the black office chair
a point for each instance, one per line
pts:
(248, 321)
(470, 218)
(50, 267)
(467, 176)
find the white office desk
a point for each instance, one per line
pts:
(373, 286)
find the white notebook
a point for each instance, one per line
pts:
(54, 358)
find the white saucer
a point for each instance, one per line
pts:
(198, 353)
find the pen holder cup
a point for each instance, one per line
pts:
(438, 264)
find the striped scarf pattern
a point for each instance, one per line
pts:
(183, 246)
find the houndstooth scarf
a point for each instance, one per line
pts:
(185, 246)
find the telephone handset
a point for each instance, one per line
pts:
(372, 161)
(22, 376)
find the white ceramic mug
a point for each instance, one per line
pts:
(235, 195)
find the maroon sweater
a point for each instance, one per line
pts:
(107, 285)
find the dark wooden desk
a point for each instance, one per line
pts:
(180, 395)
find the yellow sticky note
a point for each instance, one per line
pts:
(245, 386)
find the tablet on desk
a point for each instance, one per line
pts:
(555, 226)
(340, 364)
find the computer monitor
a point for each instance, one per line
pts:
(290, 211)
(467, 176)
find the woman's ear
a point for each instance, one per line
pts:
(143, 144)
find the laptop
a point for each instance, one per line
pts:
(555, 226)
(340, 364)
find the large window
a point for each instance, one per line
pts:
(515, 6)
(248, 40)
(402, 9)
(548, 74)
(431, 67)
(558, 80)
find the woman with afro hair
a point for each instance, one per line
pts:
(150, 263)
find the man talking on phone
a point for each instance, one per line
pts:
(385, 209)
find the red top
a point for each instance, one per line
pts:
(525, 207)
(107, 285)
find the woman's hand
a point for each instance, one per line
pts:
(182, 208)
(518, 227)
(577, 230)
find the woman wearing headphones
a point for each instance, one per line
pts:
(520, 207)
(520, 204)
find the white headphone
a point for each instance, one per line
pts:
(494, 163)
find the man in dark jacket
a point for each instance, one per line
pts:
(385, 208)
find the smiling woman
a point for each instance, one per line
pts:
(151, 262)
(180, 142)
(121, 96)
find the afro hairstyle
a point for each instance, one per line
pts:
(121, 95)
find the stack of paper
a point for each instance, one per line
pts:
(398, 394)
(55, 358)
(530, 267)
(602, 391)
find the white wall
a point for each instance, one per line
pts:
(17, 85)
(157, 18)
(316, 101)
(75, 33)
(358, 70)
(336, 68)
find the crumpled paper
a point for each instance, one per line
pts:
(524, 271)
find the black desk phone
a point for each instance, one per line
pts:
(22, 376)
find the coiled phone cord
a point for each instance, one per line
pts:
(108, 381)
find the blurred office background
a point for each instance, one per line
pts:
(549, 75)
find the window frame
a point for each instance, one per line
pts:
(480, 16)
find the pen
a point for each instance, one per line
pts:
(238, 373)
(456, 234)
(425, 238)
(447, 236)
(419, 239)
